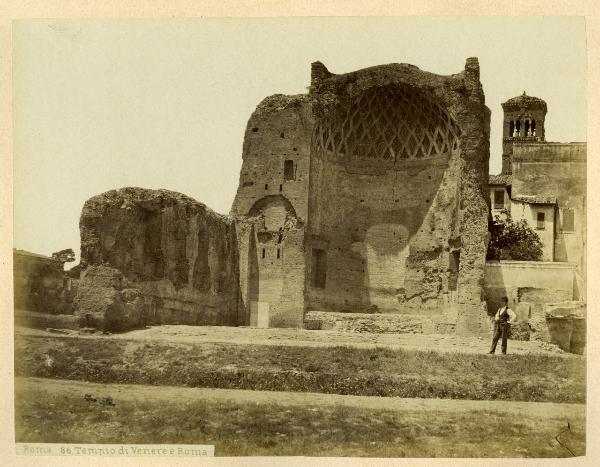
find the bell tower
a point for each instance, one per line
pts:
(524, 118)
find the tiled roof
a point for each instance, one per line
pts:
(502, 179)
(524, 101)
(535, 199)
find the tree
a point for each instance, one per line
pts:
(514, 240)
(64, 256)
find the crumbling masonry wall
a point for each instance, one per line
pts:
(369, 193)
(156, 257)
(271, 211)
(398, 190)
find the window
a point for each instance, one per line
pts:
(511, 128)
(288, 170)
(568, 220)
(278, 253)
(453, 268)
(541, 220)
(263, 252)
(498, 199)
(319, 268)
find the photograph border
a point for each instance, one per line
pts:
(14, 10)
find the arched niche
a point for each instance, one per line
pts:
(275, 210)
(387, 123)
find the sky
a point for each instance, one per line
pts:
(104, 104)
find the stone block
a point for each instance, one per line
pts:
(523, 311)
(313, 324)
(567, 325)
(560, 330)
(578, 336)
(566, 308)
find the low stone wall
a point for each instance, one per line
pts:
(369, 322)
(541, 294)
(33, 319)
(401, 323)
(535, 282)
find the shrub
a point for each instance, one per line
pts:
(514, 240)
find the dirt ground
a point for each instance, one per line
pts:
(543, 410)
(250, 421)
(306, 338)
(254, 423)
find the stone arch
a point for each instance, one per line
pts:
(266, 201)
(275, 209)
(274, 239)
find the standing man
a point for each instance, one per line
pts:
(502, 321)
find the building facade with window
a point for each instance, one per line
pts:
(551, 178)
(542, 182)
(500, 190)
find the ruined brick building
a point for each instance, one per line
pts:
(368, 193)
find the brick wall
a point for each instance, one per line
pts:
(387, 203)
(402, 231)
(271, 208)
(534, 282)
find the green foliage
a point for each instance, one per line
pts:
(514, 240)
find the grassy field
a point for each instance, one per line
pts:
(58, 413)
(338, 370)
